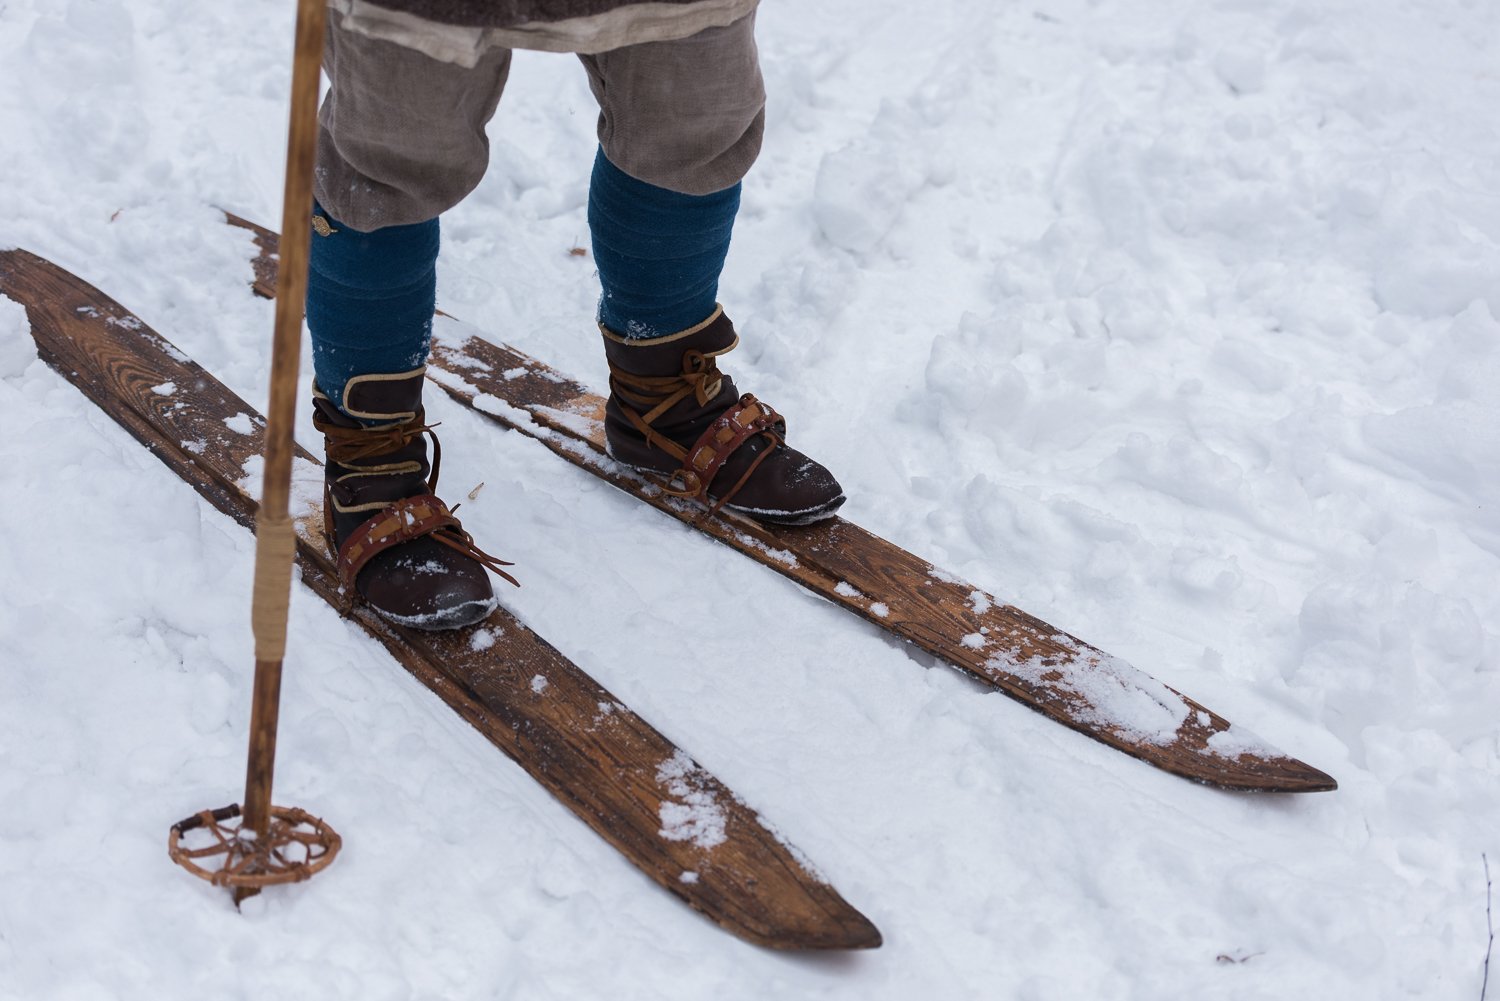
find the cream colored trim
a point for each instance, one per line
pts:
(357, 508)
(651, 342)
(629, 25)
(398, 417)
(388, 469)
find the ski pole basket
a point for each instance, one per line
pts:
(213, 845)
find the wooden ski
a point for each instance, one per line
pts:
(1059, 675)
(606, 764)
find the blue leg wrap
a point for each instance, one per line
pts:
(370, 300)
(659, 252)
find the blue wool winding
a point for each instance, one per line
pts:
(370, 299)
(659, 252)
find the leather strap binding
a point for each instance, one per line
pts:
(722, 438)
(404, 520)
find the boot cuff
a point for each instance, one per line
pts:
(395, 397)
(663, 355)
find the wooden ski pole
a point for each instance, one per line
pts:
(253, 856)
(276, 541)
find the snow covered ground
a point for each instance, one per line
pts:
(1172, 323)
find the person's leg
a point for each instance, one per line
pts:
(370, 299)
(687, 116)
(659, 252)
(402, 140)
(680, 124)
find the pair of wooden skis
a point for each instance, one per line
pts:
(618, 774)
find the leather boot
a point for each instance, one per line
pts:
(672, 411)
(399, 547)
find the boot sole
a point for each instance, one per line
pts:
(807, 516)
(457, 617)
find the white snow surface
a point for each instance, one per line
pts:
(1172, 323)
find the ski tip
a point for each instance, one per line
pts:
(1314, 780)
(1258, 774)
(859, 933)
(757, 886)
(844, 931)
(869, 938)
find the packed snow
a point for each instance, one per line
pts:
(1173, 324)
(693, 813)
(1119, 698)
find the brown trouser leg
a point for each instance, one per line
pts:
(403, 135)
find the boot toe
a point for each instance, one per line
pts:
(425, 585)
(787, 488)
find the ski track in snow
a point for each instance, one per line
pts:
(1173, 324)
